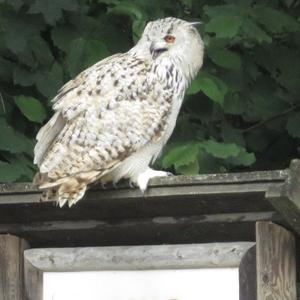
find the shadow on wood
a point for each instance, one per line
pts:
(247, 275)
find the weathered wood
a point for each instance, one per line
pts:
(286, 198)
(218, 185)
(247, 275)
(33, 281)
(275, 262)
(259, 176)
(110, 204)
(11, 267)
(202, 208)
(192, 256)
(183, 229)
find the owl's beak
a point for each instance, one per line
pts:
(157, 48)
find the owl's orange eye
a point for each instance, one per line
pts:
(169, 39)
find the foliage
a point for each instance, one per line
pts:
(241, 112)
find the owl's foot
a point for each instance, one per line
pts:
(103, 185)
(132, 184)
(143, 178)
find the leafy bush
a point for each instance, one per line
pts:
(241, 112)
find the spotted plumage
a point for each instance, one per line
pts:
(113, 119)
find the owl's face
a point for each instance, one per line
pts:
(174, 39)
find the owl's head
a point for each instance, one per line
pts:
(176, 40)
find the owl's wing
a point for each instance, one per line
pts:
(67, 99)
(106, 114)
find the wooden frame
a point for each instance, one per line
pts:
(267, 268)
(174, 210)
(191, 256)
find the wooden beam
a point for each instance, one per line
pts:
(11, 267)
(286, 198)
(257, 176)
(157, 230)
(247, 275)
(189, 256)
(255, 182)
(275, 262)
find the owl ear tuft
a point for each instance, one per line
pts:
(194, 23)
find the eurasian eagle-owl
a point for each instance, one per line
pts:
(114, 118)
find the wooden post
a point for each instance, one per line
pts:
(286, 198)
(247, 275)
(33, 281)
(275, 262)
(11, 267)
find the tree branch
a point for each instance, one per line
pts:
(280, 115)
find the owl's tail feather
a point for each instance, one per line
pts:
(67, 189)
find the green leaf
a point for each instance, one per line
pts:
(6, 69)
(52, 9)
(233, 104)
(16, 168)
(31, 108)
(127, 8)
(189, 169)
(209, 164)
(232, 135)
(13, 141)
(253, 32)
(84, 53)
(224, 26)
(19, 29)
(187, 3)
(23, 77)
(62, 37)
(136, 14)
(137, 29)
(9, 172)
(242, 159)
(293, 125)
(48, 83)
(16, 4)
(269, 17)
(225, 58)
(181, 155)
(298, 288)
(258, 140)
(224, 10)
(220, 150)
(210, 85)
(264, 105)
(41, 50)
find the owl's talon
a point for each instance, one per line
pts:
(143, 178)
(132, 184)
(103, 186)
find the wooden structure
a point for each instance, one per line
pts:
(259, 208)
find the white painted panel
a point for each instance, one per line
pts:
(196, 284)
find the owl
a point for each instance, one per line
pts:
(113, 119)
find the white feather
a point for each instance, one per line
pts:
(46, 135)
